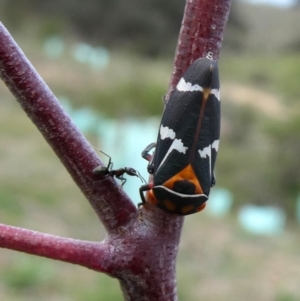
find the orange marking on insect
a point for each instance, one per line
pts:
(186, 209)
(169, 205)
(151, 198)
(201, 207)
(186, 174)
(206, 92)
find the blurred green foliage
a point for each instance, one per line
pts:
(259, 154)
(148, 27)
(277, 73)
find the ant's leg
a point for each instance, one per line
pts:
(101, 170)
(110, 164)
(123, 180)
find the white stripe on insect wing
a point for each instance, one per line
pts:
(184, 86)
(215, 145)
(166, 132)
(176, 145)
(216, 92)
(206, 152)
(179, 146)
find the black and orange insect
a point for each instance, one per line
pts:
(187, 144)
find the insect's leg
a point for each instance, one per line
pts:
(148, 157)
(110, 164)
(142, 189)
(123, 180)
(145, 152)
(213, 180)
(164, 99)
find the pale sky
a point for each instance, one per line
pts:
(281, 3)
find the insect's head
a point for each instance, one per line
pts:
(132, 172)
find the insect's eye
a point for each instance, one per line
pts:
(131, 171)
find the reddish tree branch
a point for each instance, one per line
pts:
(142, 255)
(89, 254)
(201, 34)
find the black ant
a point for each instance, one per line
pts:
(118, 173)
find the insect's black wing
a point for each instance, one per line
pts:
(208, 140)
(182, 132)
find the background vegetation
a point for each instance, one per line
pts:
(258, 161)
